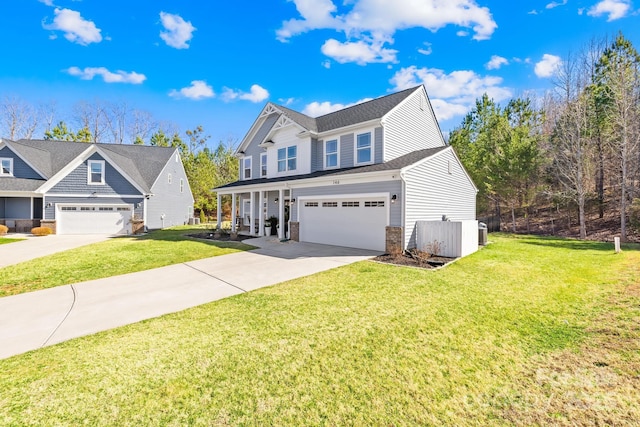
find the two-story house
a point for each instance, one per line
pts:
(80, 188)
(358, 177)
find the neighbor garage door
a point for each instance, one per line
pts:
(351, 222)
(103, 219)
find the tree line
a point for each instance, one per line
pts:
(577, 147)
(105, 122)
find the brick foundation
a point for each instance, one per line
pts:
(294, 231)
(137, 226)
(393, 241)
(49, 223)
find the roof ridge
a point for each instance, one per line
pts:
(369, 101)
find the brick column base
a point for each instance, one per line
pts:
(137, 226)
(294, 231)
(393, 241)
(49, 223)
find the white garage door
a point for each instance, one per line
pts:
(103, 219)
(351, 222)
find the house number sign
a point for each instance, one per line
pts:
(336, 182)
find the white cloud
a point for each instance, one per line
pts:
(47, 2)
(496, 62)
(555, 4)
(360, 52)
(199, 89)
(370, 24)
(547, 66)
(532, 12)
(616, 9)
(452, 94)
(286, 101)
(317, 109)
(178, 31)
(326, 64)
(119, 76)
(426, 50)
(257, 94)
(76, 29)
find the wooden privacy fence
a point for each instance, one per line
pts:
(447, 238)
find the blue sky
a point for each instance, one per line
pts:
(217, 63)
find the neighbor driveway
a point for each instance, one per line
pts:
(36, 247)
(37, 319)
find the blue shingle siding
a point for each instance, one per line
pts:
(20, 168)
(346, 150)
(76, 181)
(2, 214)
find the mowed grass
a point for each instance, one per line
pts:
(528, 331)
(119, 255)
(5, 240)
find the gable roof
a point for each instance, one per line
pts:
(395, 164)
(140, 163)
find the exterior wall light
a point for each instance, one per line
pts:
(394, 198)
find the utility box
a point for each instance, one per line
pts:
(482, 234)
(447, 238)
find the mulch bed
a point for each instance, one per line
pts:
(224, 237)
(414, 258)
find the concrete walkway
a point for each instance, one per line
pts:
(37, 319)
(35, 247)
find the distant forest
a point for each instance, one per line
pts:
(570, 160)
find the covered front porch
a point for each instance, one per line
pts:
(20, 213)
(251, 209)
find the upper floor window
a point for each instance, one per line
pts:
(263, 165)
(287, 159)
(246, 167)
(96, 172)
(6, 167)
(331, 154)
(363, 148)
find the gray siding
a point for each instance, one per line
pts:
(317, 155)
(17, 208)
(76, 181)
(377, 145)
(432, 192)
(346, 150)
(410, 128)
(391, 187)
(167, 199)
(2, 213)
(254, 150)
(20, 168)
(50, 202)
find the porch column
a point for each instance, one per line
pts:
(252, 210)
(219, 212)
(261, 214)
(281, 213)
(233, 212)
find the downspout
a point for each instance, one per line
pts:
(403, 209)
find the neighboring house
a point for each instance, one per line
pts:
(359, 177)
(80, 188)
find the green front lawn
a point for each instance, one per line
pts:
(116, 256)
(528, 331)
(5, 240)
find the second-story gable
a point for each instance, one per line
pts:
(12, 165)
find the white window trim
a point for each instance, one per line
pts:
(250, 167)
(324, 153)
(10, 166)
(286, 159)
(264, 156)
(89, 163)
(372, 147)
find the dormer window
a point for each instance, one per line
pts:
(246, 167)
(95, 172)
(6, 167)
(331, 154)
(363, 149)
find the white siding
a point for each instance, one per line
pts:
(409, 127)
(286, 137)
(448, 238)
(431, 192)
(168, 206)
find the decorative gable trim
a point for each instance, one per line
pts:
(5, 144)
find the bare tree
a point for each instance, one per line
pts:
(91, 116)
(18, 119)
(117, 116)
(48, 113)
(141, 126)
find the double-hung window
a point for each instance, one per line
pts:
(246, 167)
(331, 154)
(363, 148)
(263, 165)
(95, 172)
(6, 167)
(287, 159)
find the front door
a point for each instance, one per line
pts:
(246, 212)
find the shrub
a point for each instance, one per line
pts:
(203, 217)
(41, 231)
(3, 229)
(634, 214)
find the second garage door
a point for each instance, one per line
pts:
(350, 222)
(83, 219)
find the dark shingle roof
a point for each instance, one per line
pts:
(359, 113)
(395, 164)
(141, 163)
(20, 184)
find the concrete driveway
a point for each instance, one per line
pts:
(36, 247)
(37, 319)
